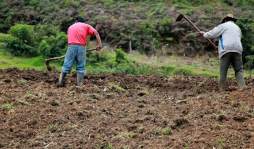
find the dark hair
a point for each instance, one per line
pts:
(80, 19)
(228, 19)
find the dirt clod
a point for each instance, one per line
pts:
(240, 118)
(54, 103)
(222, 118)
(180, 123)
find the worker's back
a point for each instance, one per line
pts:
(78, 32)
(231, 37)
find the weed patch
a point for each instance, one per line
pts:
(7, 106)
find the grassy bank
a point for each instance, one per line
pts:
(9, 61)
(134, 63)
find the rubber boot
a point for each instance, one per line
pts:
(61, 81)
(222, 86)
(80, 79)
(240, 80)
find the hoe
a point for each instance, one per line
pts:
(181, 16)
(57, 58)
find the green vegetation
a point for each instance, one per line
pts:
(53, 128)
(9, 61)
(111, 62)
(138, 64)
(123, 21)
(53, 46)
(21, 41)
(105, 146)
(247, 27)
(7, 106)
(116, 88)
(163, 131)
(37, 29)
(166, 131)
(28, 40)
(186, 146)
(221, 143)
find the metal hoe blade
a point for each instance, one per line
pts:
(179, 18)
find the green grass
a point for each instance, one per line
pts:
(9, 61)
(7, 106)
(138, 64)
(177, 65)
(166, 131)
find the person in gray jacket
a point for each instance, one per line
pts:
(230, 49)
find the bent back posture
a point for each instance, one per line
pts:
(76, 52)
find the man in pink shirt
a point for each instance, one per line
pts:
(77, 39)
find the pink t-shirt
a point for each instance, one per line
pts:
(78, 32)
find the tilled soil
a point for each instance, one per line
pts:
(123, 111)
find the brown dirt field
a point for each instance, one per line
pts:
(123, 112)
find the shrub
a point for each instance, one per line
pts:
(247, 27)
(250, 62)
(19, 48)
(44, 48)
(32, 2)
(53, 45)
(147, 37)
(43, 31)
(164, 28)
(20, 41)
(121, 56)
(23, 32)
(105, 57)
(4, 38)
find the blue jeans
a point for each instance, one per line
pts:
(75, 53)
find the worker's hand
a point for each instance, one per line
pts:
(99, 47)
(201, 33)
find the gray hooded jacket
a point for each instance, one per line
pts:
(229, 35)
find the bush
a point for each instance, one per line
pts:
(247, 27)
(19, 48)
(27, 40)
(121, 56)
(23, 32)
(147, 37)
(164, 29)
(20, 41)
(43, 31)
(4, 38)
(250, 62)
(54, 45)
(104, 57)
(123, 21)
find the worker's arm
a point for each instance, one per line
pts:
(98, 41)
(214, 33)
(93, 32)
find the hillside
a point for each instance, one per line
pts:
(148, 25)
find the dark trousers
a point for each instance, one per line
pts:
(234, 59)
